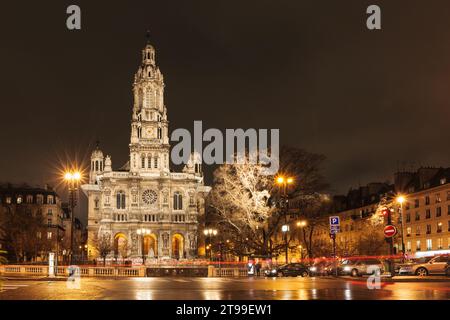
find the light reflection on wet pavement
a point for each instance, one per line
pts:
(222, 289)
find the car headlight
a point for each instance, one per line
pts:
(313, 269)
(347, 268)
(274, 271)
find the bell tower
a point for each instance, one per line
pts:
(149, 143)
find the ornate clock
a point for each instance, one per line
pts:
(149, 196)
(150, 132)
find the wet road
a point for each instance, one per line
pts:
(221, 289)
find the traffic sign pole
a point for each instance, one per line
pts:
(391, 244)
(334, 229)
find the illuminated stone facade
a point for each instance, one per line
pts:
(143, 208)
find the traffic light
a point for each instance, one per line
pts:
(385, 212)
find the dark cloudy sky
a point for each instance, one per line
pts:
(366, 99)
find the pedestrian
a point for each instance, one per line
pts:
(258, 268)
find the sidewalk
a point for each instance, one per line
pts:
(37, 278)
(401, 278)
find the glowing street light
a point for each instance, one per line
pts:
(72, 179)
(302, 224)
(209, 233)
(400, 199)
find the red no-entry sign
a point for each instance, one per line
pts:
(390, 231)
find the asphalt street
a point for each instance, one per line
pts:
(221, 289)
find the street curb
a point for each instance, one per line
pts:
(33, 279)
(391, 280)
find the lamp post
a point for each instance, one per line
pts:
(400, 200)
(301, 224)
(283, 182)
(143, 232)
(209, 233)
(72, 179)
(285, 230)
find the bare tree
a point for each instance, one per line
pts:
(307, 198)
(21, 230)
(124, 249)
(103, 245)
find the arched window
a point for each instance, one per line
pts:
(150, 162)
(156, 162)
(50, 200)
(177, 201)
(120, 200)
(143, 162)
(96, 165)
(159, 133)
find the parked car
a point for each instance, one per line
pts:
(447, 269)
(359, 267)
(406, 267)
(289, 270)
(436, 265)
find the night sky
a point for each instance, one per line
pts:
(371, 101)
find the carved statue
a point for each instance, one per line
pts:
(165, 237)
(133, 241)
(192, 241)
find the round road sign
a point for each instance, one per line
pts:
(390, 231)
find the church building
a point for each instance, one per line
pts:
(145, 210)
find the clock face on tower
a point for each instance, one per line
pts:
(149, 132)
(149, 196)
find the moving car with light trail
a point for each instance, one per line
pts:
(321, 268)
(360, 267)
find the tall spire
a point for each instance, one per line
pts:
(147, 36)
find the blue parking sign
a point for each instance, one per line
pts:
(334, 221)
(334, 225)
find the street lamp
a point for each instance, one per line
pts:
(143, 232)
(209, 233)
(301, 224)
(72, 179)
(300, 248)
(285, 230)
(284, 182)
(400, 199)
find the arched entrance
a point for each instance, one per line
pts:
(120, 245)
(177, 246)
(150, 246)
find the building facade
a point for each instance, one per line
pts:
(426, 210)
(423, 220)
(31, 241)
(143, 208)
